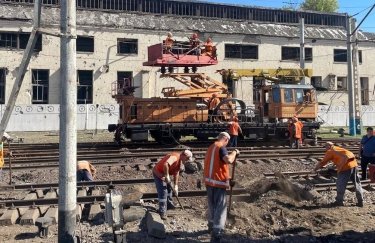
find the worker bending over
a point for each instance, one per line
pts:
(234, 130)
(85, 171)
(167, 166)
(217, 180)
(346, 166)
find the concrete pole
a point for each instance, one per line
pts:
(302, 47)
(356, 81)
(68, 124)
(23, 67)
(352, 126)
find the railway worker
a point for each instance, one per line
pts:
(168, 44)
(367, 151)
(85, 171)
(212, 104)
(217, 180)
(208, 47)
(346, 166)
(168, 166)
(195, 43)
(295, 130)
(234, 130)
(3, 152)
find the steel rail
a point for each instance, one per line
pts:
(100, 198)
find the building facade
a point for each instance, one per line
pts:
(113, 36)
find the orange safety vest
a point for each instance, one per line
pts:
(216, 171)
(234, 128)
(342, 158)
(169, 42)
(174, 168)
(208, 46)
(1, 154)
(297, 129)
(213, 103)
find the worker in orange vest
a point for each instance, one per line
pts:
(217, 180)
(85, 171)
(208, 47)
(295, 130)
(346, 166)
(4, 152)
(212, 104)
(168, 43)
(169, 165)
(195, 44)
(234, 130)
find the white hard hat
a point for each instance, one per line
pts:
(188, 154)
(224, 134)
(6, 136)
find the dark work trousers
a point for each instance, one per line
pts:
(217, 209)
(364, 162)
(210, 116)
(233, 140)
(164, 194)
(342, 180)
(84, 175)
(294, 143)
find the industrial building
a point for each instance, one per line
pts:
(113, 36)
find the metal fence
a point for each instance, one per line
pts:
(200, 9)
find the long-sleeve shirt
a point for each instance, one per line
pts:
(85, 165)
(342, 158)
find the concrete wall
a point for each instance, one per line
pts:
(339, 116)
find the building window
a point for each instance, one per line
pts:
(292, 53)
(84, 87)
(85, 44)
(340, 55)
(39, 81)
(241, 51)
(2, 85)
(365, 91)
(18, 41)
(341, 83)
(127, 46)
(360, 56)
(288, 95)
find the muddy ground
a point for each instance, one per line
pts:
(271, 217)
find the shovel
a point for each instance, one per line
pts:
(231, 187)
(175, 194)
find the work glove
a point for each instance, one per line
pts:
(237, 152)
(176, 190)
(232, 183)
(168, 179)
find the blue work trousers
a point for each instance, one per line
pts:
(84, 175)
(164, 194)
(233, 140)
(342, 180)
(217, 209)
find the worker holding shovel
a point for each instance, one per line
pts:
(169, 166)
(217, 180)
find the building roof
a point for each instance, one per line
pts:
(118, 20)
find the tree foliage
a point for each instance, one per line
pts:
(320, 5)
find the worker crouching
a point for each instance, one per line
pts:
(346, 166)
(85, 171)
(169, 165)
(217, 180)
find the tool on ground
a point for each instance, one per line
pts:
(175, 194)
(231, 186)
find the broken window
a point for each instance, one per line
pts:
(365, 91)
(85, 44)
(341, 83)
(292, 53)
(40, 83)
(84, 86)
(127, 46)
(340, 55)
(241, 51)
(3, 72)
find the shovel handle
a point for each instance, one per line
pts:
(231, 188)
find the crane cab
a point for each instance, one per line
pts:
(281, 101)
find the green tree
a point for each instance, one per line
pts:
(320, 5)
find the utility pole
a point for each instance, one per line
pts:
(302, 47)
(68, 124)
(356, 81)
(352, 124)
(23, 67)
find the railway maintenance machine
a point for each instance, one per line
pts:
(278, 96)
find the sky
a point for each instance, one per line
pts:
(346, 6)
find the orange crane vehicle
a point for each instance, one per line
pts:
(185, 112)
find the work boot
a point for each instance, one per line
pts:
(337, 204)
(163, 216)
(359, 204)
(216, 236)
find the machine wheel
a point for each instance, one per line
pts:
(228, 108)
